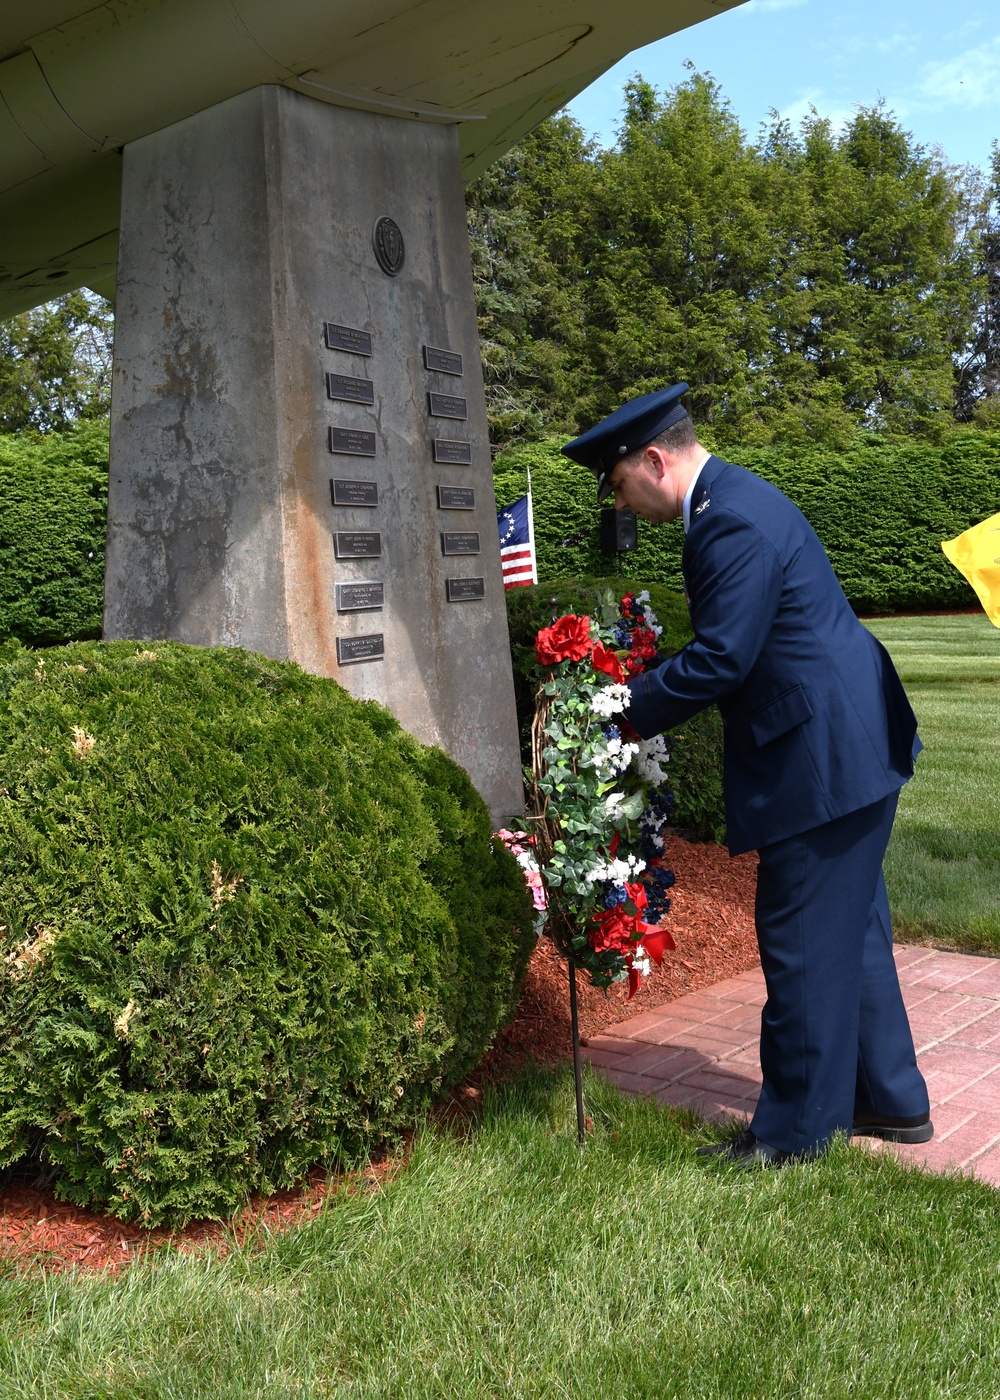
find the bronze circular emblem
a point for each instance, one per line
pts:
(388, 244)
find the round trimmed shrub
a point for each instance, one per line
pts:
(53, 519)
(249, 924)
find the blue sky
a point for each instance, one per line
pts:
(937, 66)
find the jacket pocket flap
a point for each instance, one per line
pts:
(780, 715)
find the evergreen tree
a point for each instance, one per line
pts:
(892, 282)
(684, 253)
(807, 285)
(978, 374)
(55, 364)
(526, 216)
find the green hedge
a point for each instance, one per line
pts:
(53, 514)
(248, 924)
(696, 756)
(880, 509)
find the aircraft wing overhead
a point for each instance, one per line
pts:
(79, 81)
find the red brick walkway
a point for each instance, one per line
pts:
(701, 1052)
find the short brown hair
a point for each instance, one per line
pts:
(679, 437)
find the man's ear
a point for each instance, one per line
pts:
(656, 459)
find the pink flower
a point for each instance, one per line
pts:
(537, 889)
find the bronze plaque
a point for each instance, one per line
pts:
(362, 595)
(352, 649)
(465, 590)
(352, 442)
(347, 338)
(456, 498)
(447, 406)
(346, 387)
(450, 450)
(354, 493)
(357, 544)
(456, 542)
(387, 241)
(444, 361)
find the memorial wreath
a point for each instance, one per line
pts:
(599, 797)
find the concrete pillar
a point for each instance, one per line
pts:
(268, 314)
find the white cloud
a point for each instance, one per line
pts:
(970, 80)
(901, 42)
(966, 29)
(802, 107)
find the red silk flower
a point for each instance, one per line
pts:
(612, 930)
(604, 659)
(568, 639)
(642, 648)
(615, 930)
(637, 894)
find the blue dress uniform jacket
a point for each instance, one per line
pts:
(817, 723)
(819, 737)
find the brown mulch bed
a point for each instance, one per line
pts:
(711, 920)
(36, 1229)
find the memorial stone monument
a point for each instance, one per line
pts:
(300, 460)
(274, 194)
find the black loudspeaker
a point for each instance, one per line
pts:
(619, 531)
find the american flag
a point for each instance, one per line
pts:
(517, 544)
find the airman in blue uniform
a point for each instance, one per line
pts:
(819, 738)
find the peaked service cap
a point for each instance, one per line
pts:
(637, 422)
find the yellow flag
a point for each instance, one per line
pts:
(976, 554)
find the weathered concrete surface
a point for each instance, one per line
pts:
(244, 229)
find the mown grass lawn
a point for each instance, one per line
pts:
(505, 1262)
(943, 865)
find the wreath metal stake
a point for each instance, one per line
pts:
(581, 1125)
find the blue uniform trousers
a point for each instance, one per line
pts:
(835, 1039)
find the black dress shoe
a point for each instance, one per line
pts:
(747, 1150)
(919, 1129)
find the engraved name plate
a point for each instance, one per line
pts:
(451, 450)
(354, 443)
(445, 361)
(352, 649)
(354, 493)
(362, 595)
(345, 386)
(347, 338)
(465, 590)
(446, 406)
(456, 498)
(357, 544)
(456, 542)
